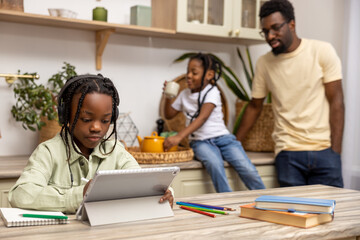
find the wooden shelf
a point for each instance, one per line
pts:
(104, 29)
(44, 20)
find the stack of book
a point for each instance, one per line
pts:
(293, 211)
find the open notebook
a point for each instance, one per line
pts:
(13, 217)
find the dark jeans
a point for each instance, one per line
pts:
(295, 168)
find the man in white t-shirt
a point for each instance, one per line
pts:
(304, 77)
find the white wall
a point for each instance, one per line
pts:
(322, 20)
(351, 151)
(137, 65)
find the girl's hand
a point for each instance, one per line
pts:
(164, 86)
(86, 187)
(171, 141)
(167, 196)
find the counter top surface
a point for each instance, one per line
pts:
(12, 166)
(189, 225)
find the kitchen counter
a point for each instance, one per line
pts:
(192, 179)
(12, 166)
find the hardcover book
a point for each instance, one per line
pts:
(295, 204)
(302, 220)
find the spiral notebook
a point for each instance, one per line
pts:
(13, 217)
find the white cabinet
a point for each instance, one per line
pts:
(246, 21)
(207, 17)
(192, 182)
(219, 18)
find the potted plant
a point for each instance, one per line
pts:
(36, 103)
(259, 137)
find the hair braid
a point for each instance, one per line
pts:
(209, 63)
(85, 86)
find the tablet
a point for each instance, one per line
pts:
(130, 183)
(135, 193)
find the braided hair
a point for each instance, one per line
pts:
(85, 85)
(209, 62)
(283, 6)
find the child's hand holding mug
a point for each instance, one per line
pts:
(171, 89)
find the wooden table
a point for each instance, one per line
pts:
(189, 225)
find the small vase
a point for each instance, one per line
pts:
(100, 14)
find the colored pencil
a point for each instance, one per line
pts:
(45, 216)
(208, 210)
(209, 206)
(198, 211)
(191, 205)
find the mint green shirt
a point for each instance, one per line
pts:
(45, 183)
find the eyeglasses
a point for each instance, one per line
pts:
(273, 29)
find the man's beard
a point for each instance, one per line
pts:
(280, 49)
(284, 45)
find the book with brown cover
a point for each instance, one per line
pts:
(303, 220)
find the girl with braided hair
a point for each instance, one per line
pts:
(209, 138)
(87, 105)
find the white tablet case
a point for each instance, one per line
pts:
(116, 196)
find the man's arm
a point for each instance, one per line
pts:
(335, 97)
(249, 118)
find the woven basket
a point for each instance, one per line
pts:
(181, 155)
(49, 130)
(259, 137)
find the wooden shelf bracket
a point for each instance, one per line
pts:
(102, 37)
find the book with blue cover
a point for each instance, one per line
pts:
(295, 204)
(303, 220)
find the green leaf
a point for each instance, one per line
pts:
(248, 77)
(34, 99)
(239, 117)
(242, 89)
(234, 88)
(31, 128)
(28, 117)
(185, 56)
(268, 98)
(250, 62)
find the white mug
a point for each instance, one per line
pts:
(171, 89)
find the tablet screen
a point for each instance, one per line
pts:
(130, 183)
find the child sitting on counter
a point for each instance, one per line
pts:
(209, 138)
(87, 105)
